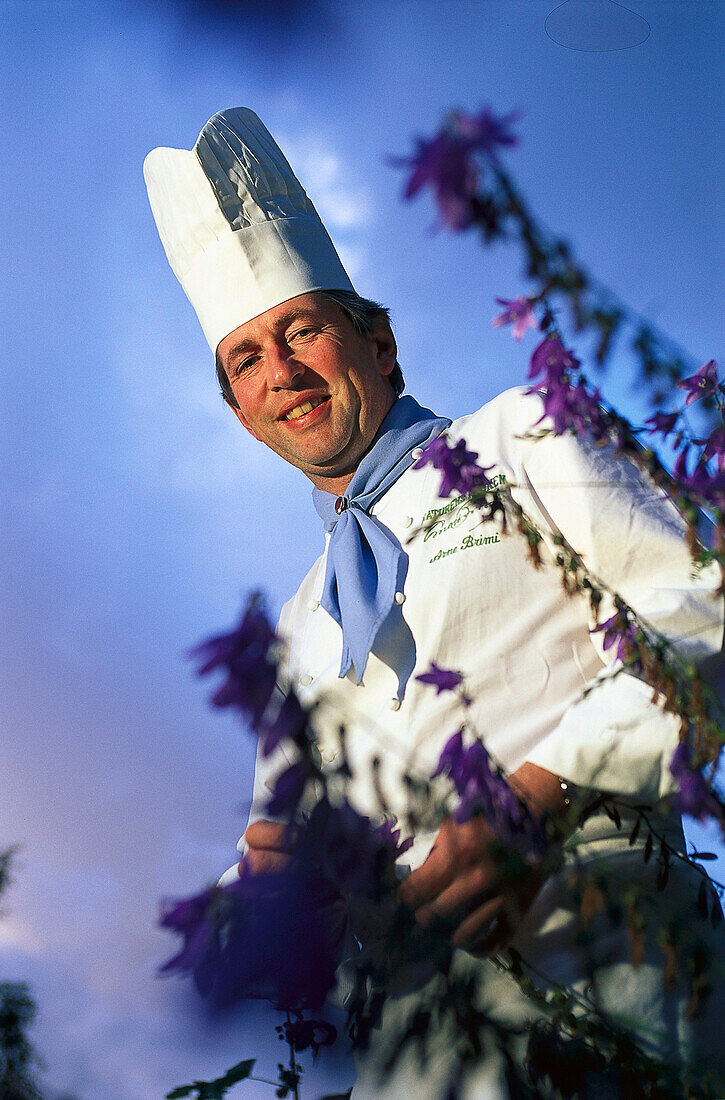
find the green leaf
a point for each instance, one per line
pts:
(613, 814)
(635, 831)
(239, 1072)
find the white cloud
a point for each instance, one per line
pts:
(343, 205)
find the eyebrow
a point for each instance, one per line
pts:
(238, 350)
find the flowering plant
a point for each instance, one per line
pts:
(338, 900)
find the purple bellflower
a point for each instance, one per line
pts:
(247, 656)
(620, 631)
(517, 311)
(279, 935)
(663, 422)
(457, 465)
(451, 758)
(703, 383)
(244, 655)
(288, 791)
(571, 407)
(708, 488)
(389, 836)
(289, 723)
(553, 360)
(446, 165)
(275, 936)
(715, 447)
(442, 679)
(350, 854)
(446, 162)
(483, 789)
(485, 131)
(694, 796)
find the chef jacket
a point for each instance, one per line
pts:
(541, 684)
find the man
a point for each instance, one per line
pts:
(310, 369)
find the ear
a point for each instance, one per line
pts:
(386, 350)
(242, 419)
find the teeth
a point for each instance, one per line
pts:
(300, 410)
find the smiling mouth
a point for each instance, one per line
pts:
(305, 407)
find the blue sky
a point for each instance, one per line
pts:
(137, 513)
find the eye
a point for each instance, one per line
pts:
(302, 332)
(244, 364)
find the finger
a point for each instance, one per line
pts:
(468, 890)
(263, 862)
(483, 929)
(270, 835)
(434, 875)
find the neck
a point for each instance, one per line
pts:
(334, 485)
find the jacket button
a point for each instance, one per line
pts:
(400, 597)
(416, 453)
(312, 605)
(394, 704)
(407, 520)
(306, 680)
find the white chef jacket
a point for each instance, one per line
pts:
(473, 602)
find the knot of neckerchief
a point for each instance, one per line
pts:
(366, 565)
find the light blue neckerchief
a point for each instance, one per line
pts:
(366, 565)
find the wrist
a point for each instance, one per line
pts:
(551, 799)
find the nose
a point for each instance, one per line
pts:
(283, 368)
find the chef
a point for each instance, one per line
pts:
(408, 578)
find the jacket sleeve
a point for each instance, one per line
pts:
(630, 537)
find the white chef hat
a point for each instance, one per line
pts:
(239, 231)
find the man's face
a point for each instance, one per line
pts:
(309, 386)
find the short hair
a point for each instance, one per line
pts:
(362, 313)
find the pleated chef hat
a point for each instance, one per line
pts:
(239, 231)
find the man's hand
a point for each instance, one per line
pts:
(269, 850)
(470, 885)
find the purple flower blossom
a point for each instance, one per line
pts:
(446, 165)
(518, 311)
(289, 723)
(703, 383)
(694, 796)
(663, 422)
(389, 836)
(484, 790)
(621, 631)
(452, 757)
(708, 488)
(551, 359)
(485, 131)
(571, 407)
(457, 465)
(244, 655)
(288, 791)
(274, 936)
(350, 854)
(715, 447)
(446, 162)
(443, 679)
(279, 935)
(192, 918)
